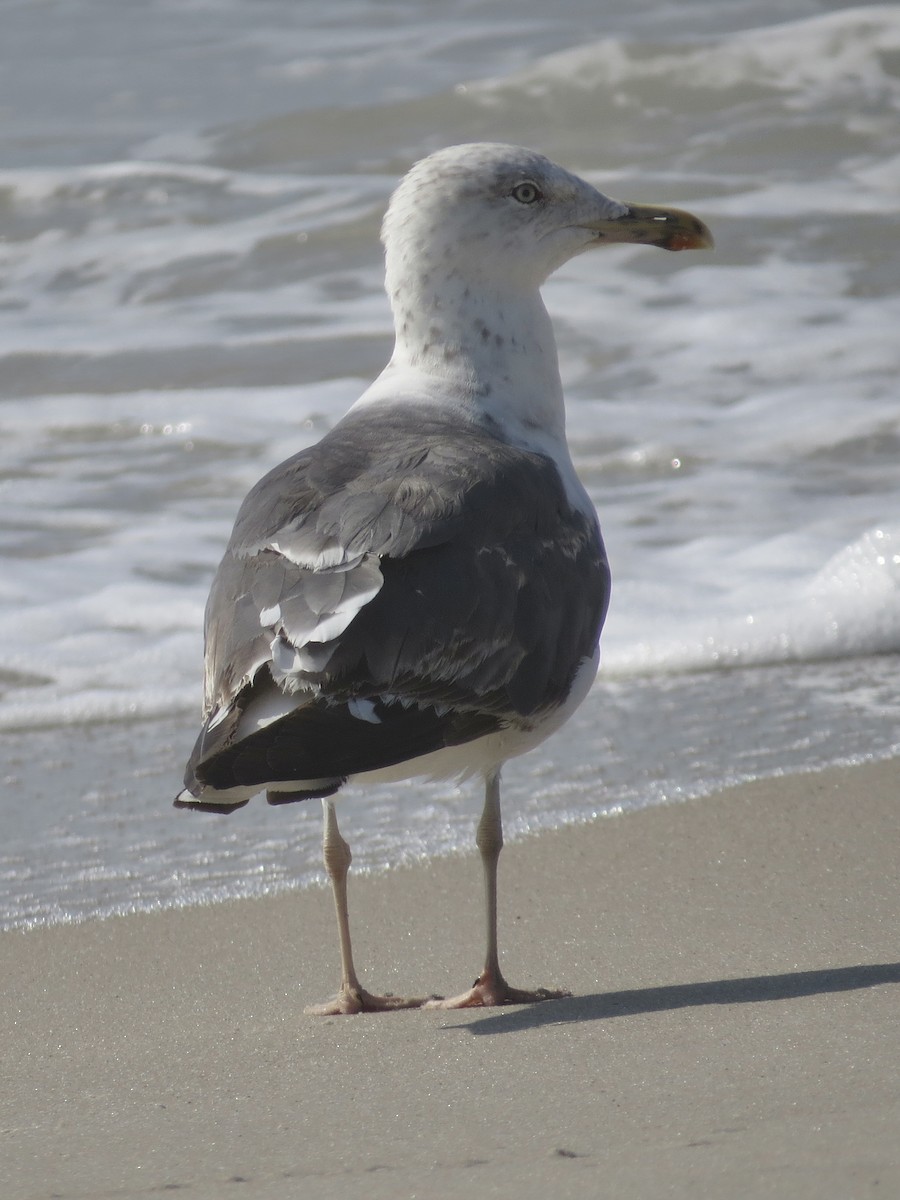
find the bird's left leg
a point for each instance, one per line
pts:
(490, 988)
(352, 996)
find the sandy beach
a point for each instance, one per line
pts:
(734, 1029)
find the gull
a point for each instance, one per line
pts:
(421, 593)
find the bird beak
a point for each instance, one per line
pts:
(668, 228)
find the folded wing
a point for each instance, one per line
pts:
(405, 585)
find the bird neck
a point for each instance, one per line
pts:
(495, 348)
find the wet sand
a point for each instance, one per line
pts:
(734, 1028)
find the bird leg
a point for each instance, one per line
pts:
(490, 988)
(352, 996)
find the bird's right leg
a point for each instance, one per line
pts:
(352, 996)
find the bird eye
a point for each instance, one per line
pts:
(525, 193)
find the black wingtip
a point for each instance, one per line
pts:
(327, 788)
(209, 806)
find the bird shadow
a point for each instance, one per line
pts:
(754, 989)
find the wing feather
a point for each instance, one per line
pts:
(432, 569)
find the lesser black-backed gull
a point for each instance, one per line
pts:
(422, 592)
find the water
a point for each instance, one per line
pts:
(190, 289)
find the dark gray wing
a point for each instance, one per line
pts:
(406, 584)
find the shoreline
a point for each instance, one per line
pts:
(734, 962)
(89, 829)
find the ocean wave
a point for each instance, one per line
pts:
(849, 608)
(815, 60)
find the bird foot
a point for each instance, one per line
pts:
(357, 1000)
(492, 990)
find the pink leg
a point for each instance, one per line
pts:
(352, 997)
(490, 988)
